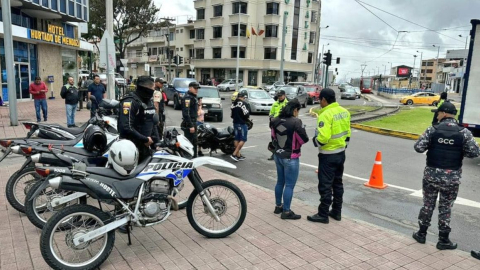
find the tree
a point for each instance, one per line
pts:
(132, 19)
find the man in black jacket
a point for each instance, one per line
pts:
(136, 117)
(240, 115)
(190, 114)
(70, 94)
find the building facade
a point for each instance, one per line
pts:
(428, 71)
(46, 43)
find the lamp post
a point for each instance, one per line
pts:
(466, 40)
(421, 65)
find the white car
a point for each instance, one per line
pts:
(274, 85)
(229, 85)
(118, 78)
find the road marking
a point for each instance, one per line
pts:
(459, 200)
(246, 147)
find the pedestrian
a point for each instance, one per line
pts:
(159, 101)
(69, 92)
(240, 114)
(446, 143)
(189, 115)
(331, 137)
(288, 135)
(136, 120)
(443, 98)
(280, 102)
(38, 89)
(97, 89)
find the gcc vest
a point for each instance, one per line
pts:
(446, 147)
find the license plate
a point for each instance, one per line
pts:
(6, 153)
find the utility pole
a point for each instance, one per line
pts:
(12, 90)
(284, 33)
(167, 36)
(363, 66)
(109, 26)
(421, 64)
(436, 67)
(237, 71)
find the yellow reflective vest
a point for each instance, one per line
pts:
(277, 107)
(333, 129)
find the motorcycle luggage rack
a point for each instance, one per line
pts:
(79, 170)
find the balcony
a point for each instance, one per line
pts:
(243, 18)
(138, 59)
(448, 69)
(199, 4)
(216, 42)
(216, 21)
(233, 41)
(271, 42)
(272, 19)
(199, 43)
(149, 39)
(200, 24)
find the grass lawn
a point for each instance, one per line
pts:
(353, 109)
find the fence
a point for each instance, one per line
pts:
(395, 91)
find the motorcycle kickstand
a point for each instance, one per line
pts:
(128, 234)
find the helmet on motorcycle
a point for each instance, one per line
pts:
(123, 156)
(94, 139)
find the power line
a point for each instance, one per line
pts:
(376, 15)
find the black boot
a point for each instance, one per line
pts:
(444, 242)
(476, 254)
(421, 235)
(335, 215)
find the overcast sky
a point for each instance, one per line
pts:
(357, 36)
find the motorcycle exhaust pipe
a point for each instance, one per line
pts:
(174, 202)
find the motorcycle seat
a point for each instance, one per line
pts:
(111, 173)
(75, 130)
(223, 134)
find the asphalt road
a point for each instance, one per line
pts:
(393, 208)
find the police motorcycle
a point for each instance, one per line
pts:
(107, 109)
(212, 138)
(39, 208)
(82, 236)
(93, 141)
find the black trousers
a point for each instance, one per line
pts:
(192, 137)
(330, 172)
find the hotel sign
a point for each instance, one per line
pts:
(54, 35)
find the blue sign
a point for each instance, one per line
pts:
(5, 94)
(50, 79)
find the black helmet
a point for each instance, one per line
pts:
(94, 139)
(249, 123)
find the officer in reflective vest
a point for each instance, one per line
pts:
(331, 138)
(447, 143)
(280, 102)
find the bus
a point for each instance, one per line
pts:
(365, 84)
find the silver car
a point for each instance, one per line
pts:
(273, 86)
(298, 92)
(229, 85)
(349, 93)
(259, 100)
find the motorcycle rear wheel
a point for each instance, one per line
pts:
(227, 149)
(18, 186)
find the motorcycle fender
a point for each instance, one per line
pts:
(201, 161)
(39, 189)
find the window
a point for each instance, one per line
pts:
(310, 57)
(314, 17)
(181, 49)
(243, 30)
(217, 52)
(154, 51)
(177, 49)
(270, 53)
(296, 23)
(54, 5)
(429, 78)
(192, 34)
(45, 3)
(79, 11)
(239, 5)
(177, 31)
(242, 52)
(429, 70)
(217, 11)
(312, 38)
(191, 53)
(201, 14)
(217, 32)
(273, 8)
(71, 8)
(430, 64)
(271, 31)
(138, 53)
(200, 54)
(63, 6)
(200, 33)
(171, 36)
(69, 30)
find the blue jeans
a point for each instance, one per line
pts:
(41, 103)
(287, 175)
(240, 131)
(71, 110)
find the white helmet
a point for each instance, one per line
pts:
(123, 156)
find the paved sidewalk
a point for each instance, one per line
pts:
(263, 242)
(26, 112)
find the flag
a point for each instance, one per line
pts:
(248, 33)
(253, 31)
(261, 32)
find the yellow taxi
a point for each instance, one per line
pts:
(235, 94)
(421, 98)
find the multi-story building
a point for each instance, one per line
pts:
(261, 22)
(429, 70)
(454, 69)
(46, 43)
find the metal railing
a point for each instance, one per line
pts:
(395, 91)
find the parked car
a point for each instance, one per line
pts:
(349, 93)
(235, 94)
(357, 91)
(313, 92)
(211, 102)
(298, 83)
(273, 85)
(176, 90)
(342, 86)
(259, 100)
(228, 85)
(118, 78)
(297, 92)
(421, 98)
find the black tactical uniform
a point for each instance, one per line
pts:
(136, 119)
(189, 116)
(447, 143)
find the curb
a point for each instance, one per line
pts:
(387, 132)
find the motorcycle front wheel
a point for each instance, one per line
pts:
(227, 149)
(56, 241)
(229, 204)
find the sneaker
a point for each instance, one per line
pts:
(234, 157)
(278, 209)
(290, 215)
(241, 158)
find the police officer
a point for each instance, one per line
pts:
(136, 117)
(447, 143)
(159, 102)
(331, 138)
(280, 102)
(190, 114)
(443, 98)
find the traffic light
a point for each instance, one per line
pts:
(327, 59)
(180, 60)
(175, 60)
(338, 60)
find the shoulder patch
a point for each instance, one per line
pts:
(187, 103)
(321, 124)
(127, 105)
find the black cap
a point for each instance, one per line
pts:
(160, 80)
(281, 93)
(447, 107)
(194, 85)
(327, 93)
(242, 94)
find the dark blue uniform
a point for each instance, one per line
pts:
(189, 116)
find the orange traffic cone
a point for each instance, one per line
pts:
(376, 178)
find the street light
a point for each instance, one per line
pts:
(421, 64)
(466, 40)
